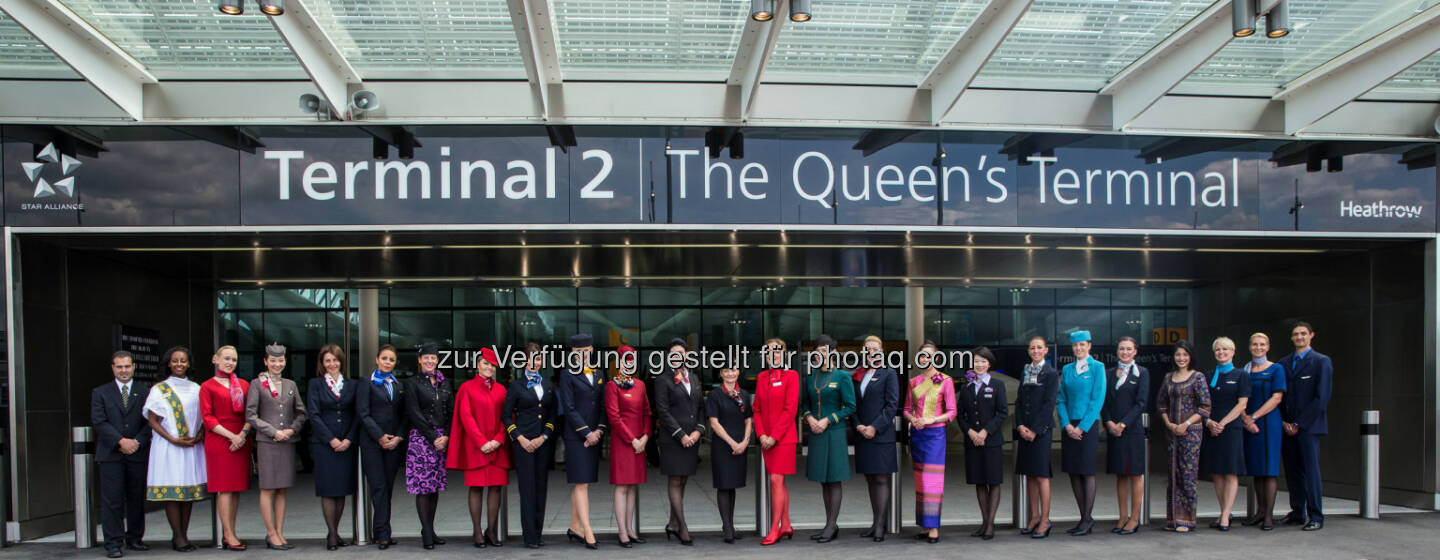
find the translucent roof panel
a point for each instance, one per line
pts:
(424, 38)
(649, 39)
(868, 41)
(24, 56)
(1081, 44)
(1320, 31)
(190, 39)
(1421, 81)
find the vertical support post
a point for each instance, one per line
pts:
(893, 523)
(83, 449)
(762, 500)
(1145, 478)
(1019, 496)
(369, 345)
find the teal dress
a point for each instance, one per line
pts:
(828, 395)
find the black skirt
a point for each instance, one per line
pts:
(676, 459)
(875, 458)
(1223, 454)
(727, 471)
(1078, 456)
(1125, 455)
(582, 464)
(334, 472)
(984, 465)
(1032, 458)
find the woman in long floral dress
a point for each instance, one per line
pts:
(1183, 404)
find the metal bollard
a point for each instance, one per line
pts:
(83, 449)
(360, 509)
(1370, 447)
(1019, 495)
(1145, 478)
(762, 500)
(503, 528)
(216, 535)
(4, 486)
(894, 513)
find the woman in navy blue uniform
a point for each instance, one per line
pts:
(731, 423)
(678, 427)
(582, 396)
(1127, 393)
(330, 403)
(1262, 429)
(1222, 452)
(381, 410)
(877, 400)
(1034, 425)
(529, 418)
(982, 407)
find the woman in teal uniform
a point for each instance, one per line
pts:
(1082, 394)
(827, 400)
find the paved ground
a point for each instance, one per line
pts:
(1344, 537)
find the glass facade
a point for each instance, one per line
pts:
(648, 318)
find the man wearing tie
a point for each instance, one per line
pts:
(1308, 378)
(122, 450)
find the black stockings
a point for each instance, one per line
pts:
(477, 501)
(989, 496)
(1084, 488)
(879, 485)
(725, 498)
(333, 508)
(677, 507)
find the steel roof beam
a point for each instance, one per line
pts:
(1321, 91)
(319, 56)
(948, 80)
(539, 48)
(117, 75)
(757, 42)
(1141, 84)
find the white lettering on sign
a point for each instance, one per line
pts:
(1378, 209)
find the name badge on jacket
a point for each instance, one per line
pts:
(832, 386)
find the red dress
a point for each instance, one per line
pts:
(777, 399)
(225, 470)
(629, 414)
(475, 423)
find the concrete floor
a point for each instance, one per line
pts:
(1344, 537)
(304, 521)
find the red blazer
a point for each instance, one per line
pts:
(630, 420)
(777, 399)
(477, 422)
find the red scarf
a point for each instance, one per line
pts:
(859, 374)
(237, 395)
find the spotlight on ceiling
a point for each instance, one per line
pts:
(272, 7)
(1277, 22)
(379, 148)
(231, 7)
(737, 146)
(762, 10)
(406, 147)
(799, 11)
(1242, 17)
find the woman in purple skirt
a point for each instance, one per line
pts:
(428, 411)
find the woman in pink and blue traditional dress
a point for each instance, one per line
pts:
(929, 406)
(1184, 404)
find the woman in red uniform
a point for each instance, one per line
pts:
(227, 457)
(627, 406)
(478, 444)
(777, 399)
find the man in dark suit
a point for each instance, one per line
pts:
(1308, 377)
(122, 450)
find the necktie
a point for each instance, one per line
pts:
(125, 395)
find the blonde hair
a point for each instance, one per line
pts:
(1223, 342)
(877, 340)
(1260, 335)
(227, 347)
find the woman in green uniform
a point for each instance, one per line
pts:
(828, 399)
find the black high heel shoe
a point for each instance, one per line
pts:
(492, 541)
(1083, 529)
(572, 535)
(828, 535)
(1029, 530)
(637, 539)
(669, 531)
(189, 547)
(979, 531)
(437, 540)
(237, 548)
(623, 543)
(1038, 534)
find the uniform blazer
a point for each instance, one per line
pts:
(113, 422)
(427, 406)
(268, 414)
(582, 399)
(879, 405)
(678, 413)
(331, 417)
(379, 414)
(1308, 384)
(1126, 404)
(526, 415)
(1035, 404)
(985, 410)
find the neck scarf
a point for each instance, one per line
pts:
(1257, 362)
(1082, 366)
(271, 383)
(382, 379)
(679, 376)
(436, 377)
(625, 381)
(972, 377)
(1032, 372)
(488, 382)
(859, 374)
(734, 394)
(237, 395)
(532, 378)
(937, 377)
(335, 383)
(1220, 369)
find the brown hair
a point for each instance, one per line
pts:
(333, 350)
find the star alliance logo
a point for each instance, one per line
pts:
(43, 188)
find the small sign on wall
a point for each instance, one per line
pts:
(142, 343)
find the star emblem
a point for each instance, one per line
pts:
(49, 155)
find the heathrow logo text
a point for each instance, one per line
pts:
(1352, 209)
